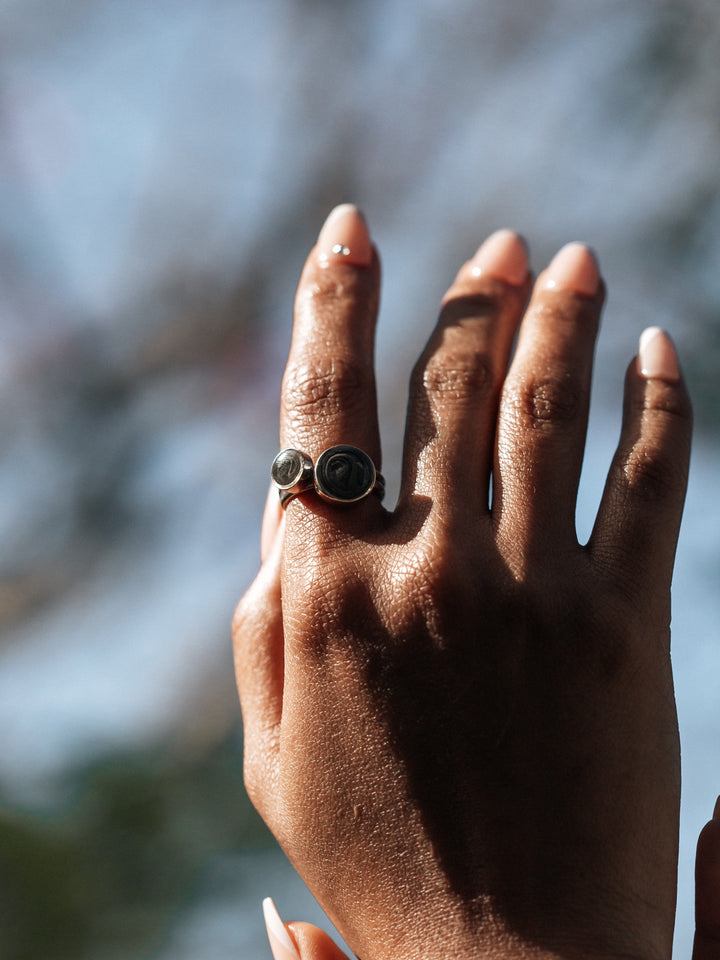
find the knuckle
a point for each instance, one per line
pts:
(328, 291)
(666, 404)
(254, 780)
(324, 387)
(456, 376)
(549, 401)
(261, 744)
(653, 475)
(239, 620)
(655, 467)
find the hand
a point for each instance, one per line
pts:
(307, 942)
(459, 722)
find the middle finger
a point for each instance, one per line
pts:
(454, 390)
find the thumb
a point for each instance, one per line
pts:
(297, 941)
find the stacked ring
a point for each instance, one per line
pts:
(292, 473)
(342, 474)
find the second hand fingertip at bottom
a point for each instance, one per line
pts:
(503, 256)
(344, 238)
(657, 358)
(573, 268)
(281, 942)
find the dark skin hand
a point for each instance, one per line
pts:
(459, 721)
(311, 943)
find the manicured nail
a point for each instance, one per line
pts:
(503, 256)
(575, 268)
(344, 238)
(657, 357)
(281, 943)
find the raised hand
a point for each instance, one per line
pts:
(459, 721)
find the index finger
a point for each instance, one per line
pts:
(328, 391)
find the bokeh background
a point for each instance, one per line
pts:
(164, 168)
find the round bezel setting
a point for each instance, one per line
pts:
(292, 470)
(344, 474)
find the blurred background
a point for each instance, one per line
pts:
(164, 169)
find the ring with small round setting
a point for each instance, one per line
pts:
(292, 473)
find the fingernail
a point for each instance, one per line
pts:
(344, 238)
(574, 268)
(716, 811)
(657, 357)
(281, 943)
(503, 256)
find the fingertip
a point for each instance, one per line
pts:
(503, 256)
(575, 269)
(657, 356)
(314, 944)
(281, 943)
(654, 383)
(344, 238)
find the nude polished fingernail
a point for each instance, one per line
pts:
(503, 256)
(344, 238)
(657, 358)
(281, 942)
(575, 268)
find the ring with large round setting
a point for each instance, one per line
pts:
(346, 474)
(292, 473)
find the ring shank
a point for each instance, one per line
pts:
(378, 489)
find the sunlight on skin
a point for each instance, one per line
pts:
(442, 716)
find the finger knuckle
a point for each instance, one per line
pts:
(325, 387)
(328, 291)
(548, 401)
(666, 404)
(456, 376)
(255, 782)
(239, 619)
(653, 475)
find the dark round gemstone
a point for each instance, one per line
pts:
(287, 468)
(344, 473)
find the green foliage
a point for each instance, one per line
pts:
(103, 874)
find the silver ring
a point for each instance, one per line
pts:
(345, 474)
(342, 474)
(292, 473)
